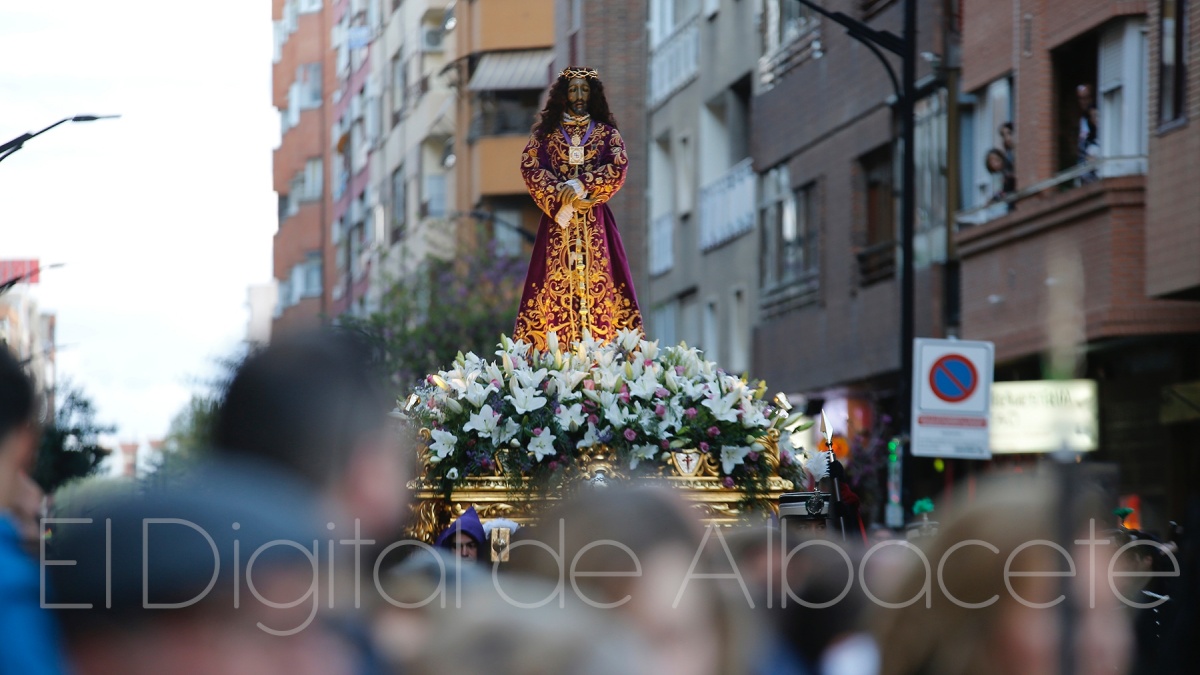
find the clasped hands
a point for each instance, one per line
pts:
(568, 195)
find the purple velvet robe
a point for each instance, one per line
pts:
(578, 277)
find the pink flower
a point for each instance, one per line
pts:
(649, 362)
(752, 456)
(690, 412)
(713, 431)
(624, 395)
(557, 409)
(785, 457)
(678, 370)
(553, 465)
(497, 383)
(728, 482)
(660, 410)
(537, 431)
(703, 446)
(661, 392)
(666, 445)
(593, 419)
(589, 385)
(630, 434)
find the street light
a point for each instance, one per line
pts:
(16, 143)
(904, 46)
(7, 285)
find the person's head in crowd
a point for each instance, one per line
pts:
(428, 581)
(1145, 555)
(693, 624)
(465, 537)
(991, 596)
(166, 580)
(485, 634)
(310, 404)
(18, 435)
(1008, 138)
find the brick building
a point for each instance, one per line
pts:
(303, 74)
(1099, 258)
(824, 139)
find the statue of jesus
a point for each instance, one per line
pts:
(575, 161)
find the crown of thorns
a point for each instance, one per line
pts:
(572, 73)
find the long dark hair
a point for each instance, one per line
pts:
(556, 104)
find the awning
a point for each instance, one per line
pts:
(503, 71)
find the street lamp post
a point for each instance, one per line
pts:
(17, 143)
(905, 47)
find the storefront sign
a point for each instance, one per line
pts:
(1044, 416)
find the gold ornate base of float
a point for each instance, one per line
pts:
(693, 476)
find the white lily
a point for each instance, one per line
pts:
(648, 349)
(615, 415)
(542, 445)
(590, 438)
(452, 473)
(552, 342)
(503, 434)
(565, 382)
(723, 408)
(482, 423)
(460, 381)
(478, 393)
(570, 417)
(628, 339)
(752, 415)
(645, 386)
(443, 444)
(530, 379)
(641, 452)
(492, 373)
(731, 456)
(526, 400)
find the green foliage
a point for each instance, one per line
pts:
(922, 506)
(425, 319)
(70, 446)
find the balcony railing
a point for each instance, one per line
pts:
(674, 63)
(727, 206)
(876, 263)
(1104, 167)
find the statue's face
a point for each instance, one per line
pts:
(578, 92)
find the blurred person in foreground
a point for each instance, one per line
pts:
(984, 617)
(1149, 598)
(30, 637)
(160, 580)
(310, 406)
(647, 556)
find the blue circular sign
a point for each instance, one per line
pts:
(953, 378)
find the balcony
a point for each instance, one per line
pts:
(1077, 176)
(674, 63)
(876, 263)
(727, 206)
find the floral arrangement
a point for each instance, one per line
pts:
(528, 413)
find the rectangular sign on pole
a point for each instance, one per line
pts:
(951, 401)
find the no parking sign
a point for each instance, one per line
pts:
(952, 395)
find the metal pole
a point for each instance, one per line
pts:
(907, 229)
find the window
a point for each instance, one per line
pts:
(506, 226)
(776, 214)
(877, 257)
(929, 147)
(663, 322)
(711, 330)
(786, 20)
(284, 208)
(399, 204)
(314, 179)
(308, 76)
(307, 6)
(1123, 97)
(312, 275)
(1172, 65)
(667, 15)
(398, 86)
(662, 254)
(434, 204)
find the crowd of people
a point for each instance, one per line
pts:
(282, 551)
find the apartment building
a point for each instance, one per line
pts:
(702, 244)
(1095, 252)
(303, 75)
(501, 67)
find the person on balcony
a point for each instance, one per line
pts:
(1089, 129)
(575, 161)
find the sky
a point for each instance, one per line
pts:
(163, 217)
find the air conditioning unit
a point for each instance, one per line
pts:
(431, 38)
